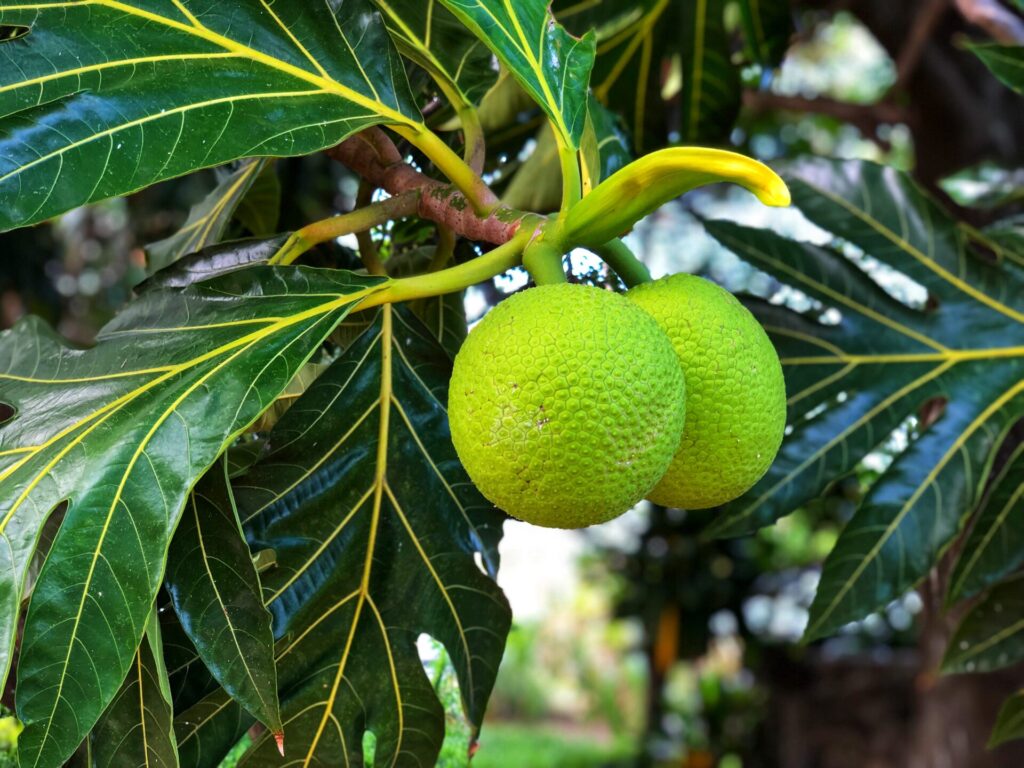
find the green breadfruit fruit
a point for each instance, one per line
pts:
(567, 404)
(735, 391)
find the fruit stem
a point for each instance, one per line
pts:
(367, 248)
(617, 255)
(459, 277)
(543, 260)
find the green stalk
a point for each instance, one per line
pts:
(617, 255)
(543, 260)
(359, 220)
(445, 249)
(572, 183)
(456, 278)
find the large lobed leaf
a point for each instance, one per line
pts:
(102, 97)
(956, 364)
(375, 526)
(121, 432)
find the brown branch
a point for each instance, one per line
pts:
(1002, 24)
(917, 39)
(867, 117)
(373, 155)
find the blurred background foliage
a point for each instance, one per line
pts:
(640, 643)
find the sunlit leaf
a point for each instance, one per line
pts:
(104, 97)
(985, 186)
(216, 593)
(886, 362)
(142, 415)
(552, 65)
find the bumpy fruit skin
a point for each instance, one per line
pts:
(735, 392)
(567, 404)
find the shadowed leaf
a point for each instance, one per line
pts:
(216, 593)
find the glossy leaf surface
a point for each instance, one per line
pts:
(216, 593)
(142, 415)
(995, 546)
(137, 728)
(103, 97)
(208, 219)
(375, 525)
(1005, 61)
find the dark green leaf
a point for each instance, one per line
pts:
(444, 316)
(137, 729)
(634, 41)
(432, 37)
(260, 209)
(995, 546)
(851, 384)
(102, 98)
(365, 504)
(1008, 236)
(1005, 61)
(605, 146)
(638, 42)
(767, 25)
(991, 636)
(142, 415)
(213, 261)
(208, 220)
(216, 593)
(711, 84)
(1010, 723)
(552, 65)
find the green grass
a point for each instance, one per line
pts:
(534, 746)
